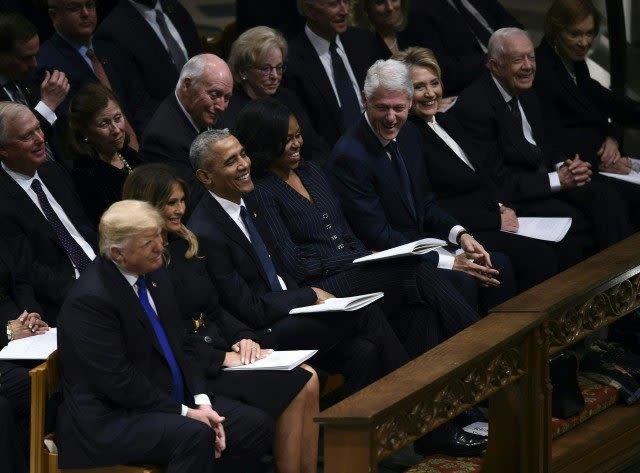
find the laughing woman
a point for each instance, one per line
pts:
(220, 340)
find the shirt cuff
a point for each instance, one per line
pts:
(199, 400)
(44, 110)
(453, 234)
(445, 261)
(554, 181)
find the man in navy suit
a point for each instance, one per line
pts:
(377, 171)
(326, 65)
(129, 394)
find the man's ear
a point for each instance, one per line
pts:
(492, 64)
(115, 253)
(204, 178)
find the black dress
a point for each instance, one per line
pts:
(271, 391)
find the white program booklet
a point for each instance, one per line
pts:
(419, 247)
(284, 360)
(339, 304)
(38, 347)
(543, 228)
(633, 176)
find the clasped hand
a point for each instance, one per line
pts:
(574, 172)
(205, 414)
(476, 262)
(26, 325)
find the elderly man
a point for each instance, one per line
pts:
(501, 112)
(326, 66)
(129, 394)
(201, 96)
(41, 218)
(377, 171)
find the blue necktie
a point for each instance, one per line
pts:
(177, 387)
(348, 98)
(403, 175)
(261, 251)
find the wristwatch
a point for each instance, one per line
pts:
(9, 332)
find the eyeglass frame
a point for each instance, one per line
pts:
(265, 69)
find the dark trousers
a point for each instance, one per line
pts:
(14, 417)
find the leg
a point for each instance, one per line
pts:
(15, 394)
(11, 449)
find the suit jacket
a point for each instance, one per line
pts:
(33, 241)
(372, 198)
(438, 26)
(126, 28)
(520, 173)
(579, 115)
(167, 139)
(233, 263)
(113, 366)
(57, 53)
(307, 78)
(467, 194)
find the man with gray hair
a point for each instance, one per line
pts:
(201, 96)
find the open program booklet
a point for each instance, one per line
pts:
(37, 347)
(284, 360)
(339, 304)
(419, 247)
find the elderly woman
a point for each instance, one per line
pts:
(98, 139)
(387, 18)
(220, 339)
(257, 62)
(584, 115)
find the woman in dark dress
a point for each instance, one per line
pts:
(99, 143)
(217, 339)
(386, 18)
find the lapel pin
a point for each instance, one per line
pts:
(255, 215)
(154, 284)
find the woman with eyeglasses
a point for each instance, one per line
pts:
(257, 62)
(99, 143)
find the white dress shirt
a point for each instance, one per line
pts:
(233, 210)
(25, 183)
(149, 15)
(41, 107)
(450, 142)
(554, 179)
(198, 399)
(321, 46)
(186, 114)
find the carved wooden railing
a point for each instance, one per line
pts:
(502, 358)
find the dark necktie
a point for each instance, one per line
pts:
(481, 33)
(173, 48)
(403, 175)
(177, 387)
(347, 95)
(261, 251)
(70, 246)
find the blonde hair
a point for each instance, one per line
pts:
(124, 220)
(417, 56)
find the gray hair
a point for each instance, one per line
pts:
(390, 75)
(8, 111)
(251, 46)
(496, 48)
(124, 220)
(199, 152)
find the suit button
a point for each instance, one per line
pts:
(325, 215)
(269, 330)
(207, 339)
(340, 246)
(328, 226)
(326, 272)
(334, 237)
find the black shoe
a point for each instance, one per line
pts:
(450, 439)
(566, 399)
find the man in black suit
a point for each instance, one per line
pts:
(326, 65)
(458, 32)
(201, 96)
(129, 394)
(41, 218)
(157, 37)
(502, 114)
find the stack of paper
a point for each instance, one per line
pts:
(544, 228)
(340, 304)
(37, 347)
(633, 176)
(419, 247)
(284, 360)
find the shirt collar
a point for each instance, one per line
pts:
(130, 277)
(382, 141)
(505, 95)
(320, 44)
(82, 48)
(22, 179)
(147, 12)
(186, 114)
(231, 208)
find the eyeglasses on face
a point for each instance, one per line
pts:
(265, 69)
(76, 7)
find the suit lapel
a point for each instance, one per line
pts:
(73, 56)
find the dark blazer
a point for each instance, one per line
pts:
(167, 139)
(33, 242)
(57, 53)
(113, 365)
(233, 263)
(306, 77)
(364, 178)
(126, 28)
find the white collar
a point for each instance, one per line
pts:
(505, 95)
(320, 44)
(130, 277)
(145, 10)
(19, 177)
(230, 207)
(186, 114)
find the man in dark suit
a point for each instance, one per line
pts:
(129, 394)
(201, 96)
(84, 59)
(157, 37)
(326, 65)
(41, 219)
(458, 32)
(502, 114)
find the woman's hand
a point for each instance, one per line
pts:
(26, 325)
(248, 351)
(621, 166)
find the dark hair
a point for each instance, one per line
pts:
(262, 129)
(85, 105)
(14, 28)
(563, 13)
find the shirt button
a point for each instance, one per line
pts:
(207, 339)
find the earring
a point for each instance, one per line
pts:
(85, 139)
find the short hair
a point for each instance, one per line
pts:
(262, 127)
(251, 46)
(124, 220)
(417, 56)
(199, 151)
(8, 111)
(361, 19)
(563, 13)
(496, 48)
(195, 68)
(84, 107)
(13, 29)
(389, 75)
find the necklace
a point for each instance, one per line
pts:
(124, 162)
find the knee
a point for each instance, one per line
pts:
(312, 388)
